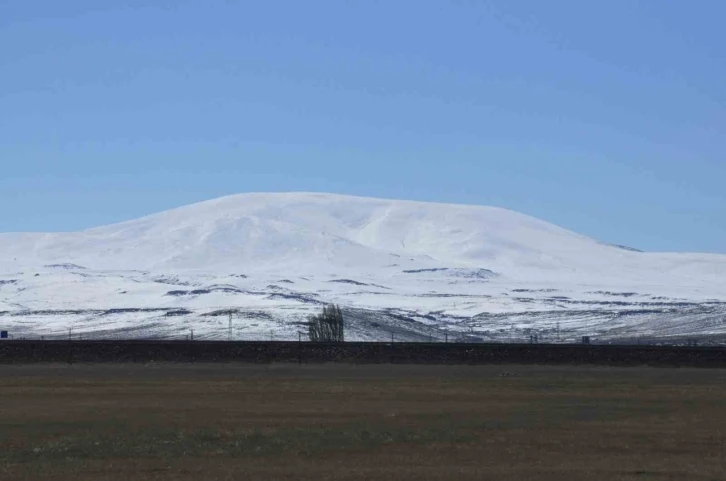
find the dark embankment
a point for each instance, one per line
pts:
(13, 352)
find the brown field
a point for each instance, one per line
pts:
(373, 422)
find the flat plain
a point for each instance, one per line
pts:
(351, 422)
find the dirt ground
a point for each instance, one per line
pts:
(372, 422)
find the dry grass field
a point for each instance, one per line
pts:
(373, 422)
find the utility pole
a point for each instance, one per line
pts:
(230, 326)
(70, 345)
(191, 346)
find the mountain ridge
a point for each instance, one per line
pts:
(308, 231)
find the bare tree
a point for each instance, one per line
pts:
(327, 326)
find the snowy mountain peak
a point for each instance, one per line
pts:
(314, 232)
(418, 268)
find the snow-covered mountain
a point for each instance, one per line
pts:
(275, 257)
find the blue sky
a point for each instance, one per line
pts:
(607, 118)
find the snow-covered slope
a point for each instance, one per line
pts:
(313, 232)
(365, 253)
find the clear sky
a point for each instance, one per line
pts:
(607, 118)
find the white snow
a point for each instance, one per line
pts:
(456, 261)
